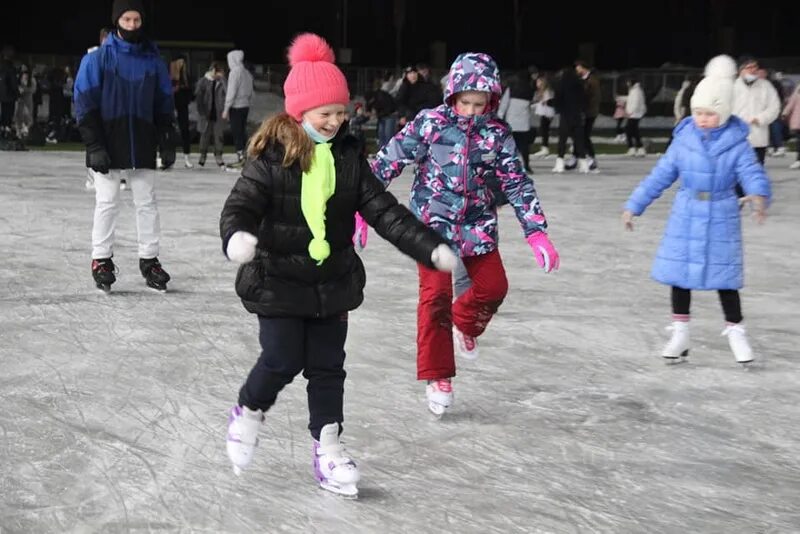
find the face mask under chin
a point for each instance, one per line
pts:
(131, 36)
(314, 134)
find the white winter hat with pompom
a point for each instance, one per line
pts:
(715, 90)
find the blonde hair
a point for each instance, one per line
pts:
(282, 129)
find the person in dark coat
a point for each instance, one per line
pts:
(570, 104)
(125, 113)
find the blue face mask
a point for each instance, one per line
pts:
(315, 135)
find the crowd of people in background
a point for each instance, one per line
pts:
(532, 103)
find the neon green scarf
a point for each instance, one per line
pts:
(318, 186)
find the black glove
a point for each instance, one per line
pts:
(98, 160)
(167, 148)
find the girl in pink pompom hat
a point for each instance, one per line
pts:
(289, 222)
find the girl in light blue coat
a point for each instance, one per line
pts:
(702, 244)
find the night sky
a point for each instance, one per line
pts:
(677, 31)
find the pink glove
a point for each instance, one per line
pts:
(360, 236)
(546, 254)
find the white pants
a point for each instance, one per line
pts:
(148, 226)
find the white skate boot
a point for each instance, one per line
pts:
(542, 152)
(583, 166)
(678, 345)
(243, 425)
(631, 152)
(187, 162)
(467, 346)
(559, 167)
(440, 395)
(737, 339)
(641, 152)
(795, 165)
(333, 468)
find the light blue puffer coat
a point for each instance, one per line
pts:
(702, 243)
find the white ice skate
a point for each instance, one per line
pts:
(187, 162)
(737, 339)
(780, 152)
(542, 152)
(440, 395)
(559, 166)
(333, 468)
(678, 345)
(641, 152)
(795, 165)
(583, 166)
(467, 346)
(631, 152)
(243, 425)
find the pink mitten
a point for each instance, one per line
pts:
(360, 236)
(545, 252)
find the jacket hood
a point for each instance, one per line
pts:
(720, 139)
(235, 59)
(473, 71)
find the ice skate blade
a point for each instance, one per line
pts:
(157, 289)
(347, 491)
(104, 289)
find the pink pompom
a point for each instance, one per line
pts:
(310, 47)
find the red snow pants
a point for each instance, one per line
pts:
(471, 313)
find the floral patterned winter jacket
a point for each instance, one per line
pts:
(463, 163)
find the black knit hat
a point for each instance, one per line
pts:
(121, 6)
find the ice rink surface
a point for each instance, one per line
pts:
(114, 407)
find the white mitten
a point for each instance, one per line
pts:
(242, 247)
(444, 259)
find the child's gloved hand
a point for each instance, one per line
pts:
(242, 247)
(444, 259)
(758, 204)
(360, 235)
(545, 252)
(627, 220)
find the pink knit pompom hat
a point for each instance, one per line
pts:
(313, 79)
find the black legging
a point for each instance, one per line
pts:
(620, 127)
(523, 141)
(588, 126)
(571, 127)
(729, 298)
(632, 132)
(544, 130)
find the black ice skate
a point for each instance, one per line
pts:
(155, 276)
(103, 272)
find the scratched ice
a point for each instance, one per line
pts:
(114, 407)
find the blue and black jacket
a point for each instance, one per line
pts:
(123, 102)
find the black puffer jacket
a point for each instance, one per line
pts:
(284, 280)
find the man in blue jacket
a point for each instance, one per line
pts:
(124, 107)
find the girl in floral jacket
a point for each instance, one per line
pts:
(465, 156)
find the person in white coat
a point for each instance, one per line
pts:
(635, 109)
(756, 102)
(515, 109)
(238, 96)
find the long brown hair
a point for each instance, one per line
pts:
(284, 130)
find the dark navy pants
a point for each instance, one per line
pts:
(292, 345)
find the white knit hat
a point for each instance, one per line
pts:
(715, 91)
